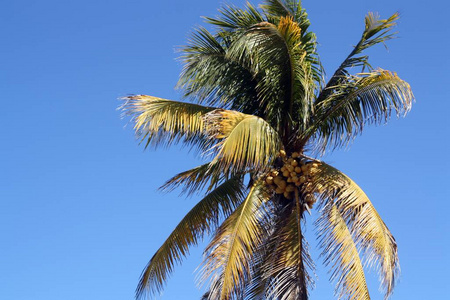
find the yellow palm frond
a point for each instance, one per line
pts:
(160, 121)
(228, 256)
(366, 226)
(200, 220)
(341, 253)
(247, 142)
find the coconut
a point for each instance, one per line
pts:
(295, 155)
(277, 180)
(282, 153)
(290, 188)
(269, 179)
(298, 170)
(279, 190)
(286, 173)
(302, 179)
(287, 195)
(294, 163)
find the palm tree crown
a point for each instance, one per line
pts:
(263, 114)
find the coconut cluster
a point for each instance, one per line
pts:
(294, 176)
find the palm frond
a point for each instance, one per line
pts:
(232, 18)
(228, 256)
(366, 98)
(367, 228)
(376, 31)
(246, 142)
(341, 254)
(164, 122)
(289, 264)
(226, 84)
(200, 220)
(283, 8)
(255, 287)
(277, 9)
(195, 180)
(286, 76)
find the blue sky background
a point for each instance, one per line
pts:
(80, 214)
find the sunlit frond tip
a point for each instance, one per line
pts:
(161, 121)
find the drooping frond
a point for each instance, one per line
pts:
(288, 264)
(369, 231)
(225, 84)
(164, 122)
(376, 31)
(201, 219)
(366, 98)
(246, 142)
(229, 254)
(255, 286)
(195, 180)
(341, 255)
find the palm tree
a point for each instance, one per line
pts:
(263, 116)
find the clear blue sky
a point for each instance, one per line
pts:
(79, 212)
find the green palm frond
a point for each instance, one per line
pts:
(261, 50)
(276, 9)
(228, 256)
(246, 142)
(232, 18)
(226, 84)
(366, 98)
(276, 55)
(341, 254)
(195, 180)
(159, 121)
(284, 8)
(367, 228)
(200, 220)
(376, 31)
